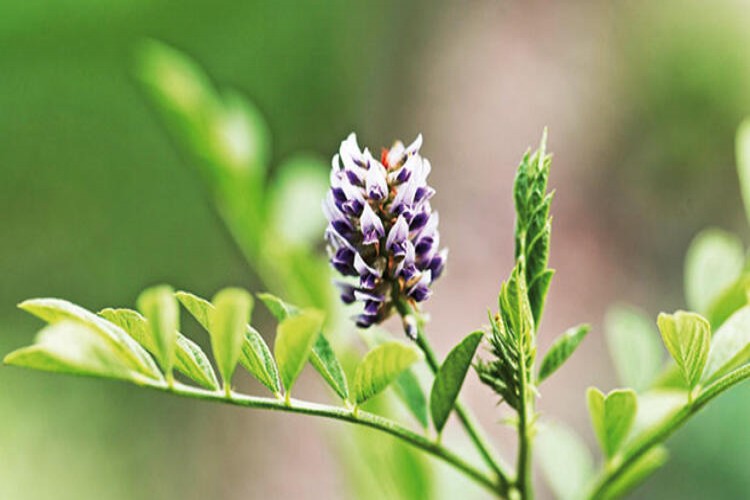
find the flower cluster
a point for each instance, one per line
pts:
(381, 227)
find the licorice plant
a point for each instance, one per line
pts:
(385, 254)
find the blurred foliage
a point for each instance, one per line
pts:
(102, 206)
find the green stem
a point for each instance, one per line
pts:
(361, 418)
(659, 434)
(470, 424)
(525, 432)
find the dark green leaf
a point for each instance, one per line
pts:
(563, 347)
(380, 367)
(409, 390)
(450, 378)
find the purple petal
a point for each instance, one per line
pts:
(372, 227)
(398, 233)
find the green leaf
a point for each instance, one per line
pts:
(655, 406)
(160, 308)
(73, 347)
(714, 262)
(325, 362)
(256, 357)
(450, 378)
(637, 472)
(565, 460)
(380, 367)
(612, 416)
(56, 310)
(322, 358)
(409, 390)
(743, 162)
(295, 337)
(190, 359)
(687, 337)
(229, 319)
(634, 346)
(729, 301)
(730, 346)
(300, 184)
(563, 347)
(277, 307)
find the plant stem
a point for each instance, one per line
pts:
(338, 413)
(659, 434)
(470, 424)
(525, 433)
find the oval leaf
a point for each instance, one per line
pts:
(56, 310)
(323, 357)
(190, 360)
(450, 377)
(638, 472)
(743, 162)
(730, 346)
(714, 261)
(380, 367)
(410, 392)
(295, 337)
(687, 337)
(634, 346)
(229, 319)
(72, 347)
(160, 308)
(256, 357)
(565, 460)
(563, 347)
(612, 416)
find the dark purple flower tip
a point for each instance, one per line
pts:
(343, 261)
(398, 234)
(347, 292)
(437, 264)
(420, 291)
(419, 221)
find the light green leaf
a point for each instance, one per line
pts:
(295, 337)
(714, 261)
(73, 347)
(611, 416)
(637, 472)
(730, 300)
(229, 319)
(160, 308)
(687, 337)
(563, 347)
(256, 357)
(655, 406)
(190, 359)
(56, 310)
(300, 184)
(277, 307)
(450, 378)
(730, 346)
(634, 346)
(566, 462)
(322, 358)
(743, 162)
(409, 390)
(325, 362)
(380, 367)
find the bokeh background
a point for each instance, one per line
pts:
(96, 202)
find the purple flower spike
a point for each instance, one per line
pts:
(381, 228)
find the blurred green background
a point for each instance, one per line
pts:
(96, 202)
